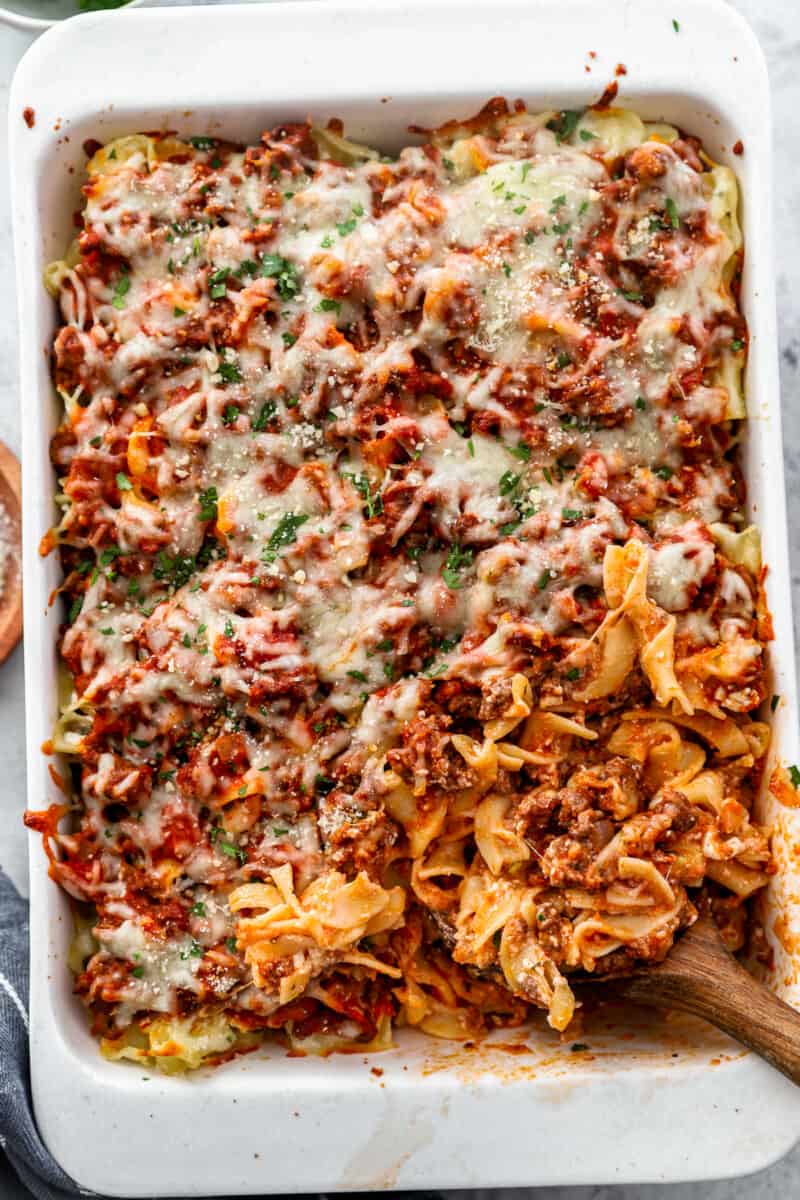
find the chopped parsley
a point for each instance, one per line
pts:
(373, 501)
(432, 672)
(573, 673)
(123, 483)
(346, 227)
(284, 534)
(203, 143)
(289, 339)
(194, 950)
(208, 504)
(664, 472)
(324, 785)
(457, 559)
(326, 305)
(640, 403)
(737, 344)
(198, 909)
(676, 25)
(672, 212)
(217, 285)
(178, 570)
(794, 775)
(571, 514)
(230, 414)
(121, 290)
(265, 415)
(284, 271)
(577, 1047)
(564, 124)
(358, 675)
(774, 702)
(508, 482)
(520, 451)
(586, 135)
(232, 851)
(229, 371)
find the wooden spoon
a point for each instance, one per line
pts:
(701, 976)
(11, 595)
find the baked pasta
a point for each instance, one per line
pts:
(414, 626)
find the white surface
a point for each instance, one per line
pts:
(386, 1108)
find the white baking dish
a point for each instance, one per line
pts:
(658, 1099)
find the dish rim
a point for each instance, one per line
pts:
(119, 1097)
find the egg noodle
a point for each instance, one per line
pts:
(414, 625)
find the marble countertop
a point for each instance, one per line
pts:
(777, 24)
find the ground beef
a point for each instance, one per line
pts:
(428, 757)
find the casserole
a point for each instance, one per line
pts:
(421, 1090)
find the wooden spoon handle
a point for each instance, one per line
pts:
(702, 977)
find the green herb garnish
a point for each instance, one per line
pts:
(229, 371)
(121, 289)
(284, 271)
(284, 534)
(564, 124)
(208, 504)
(217, 287)
(457, 559)
(267, 412)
